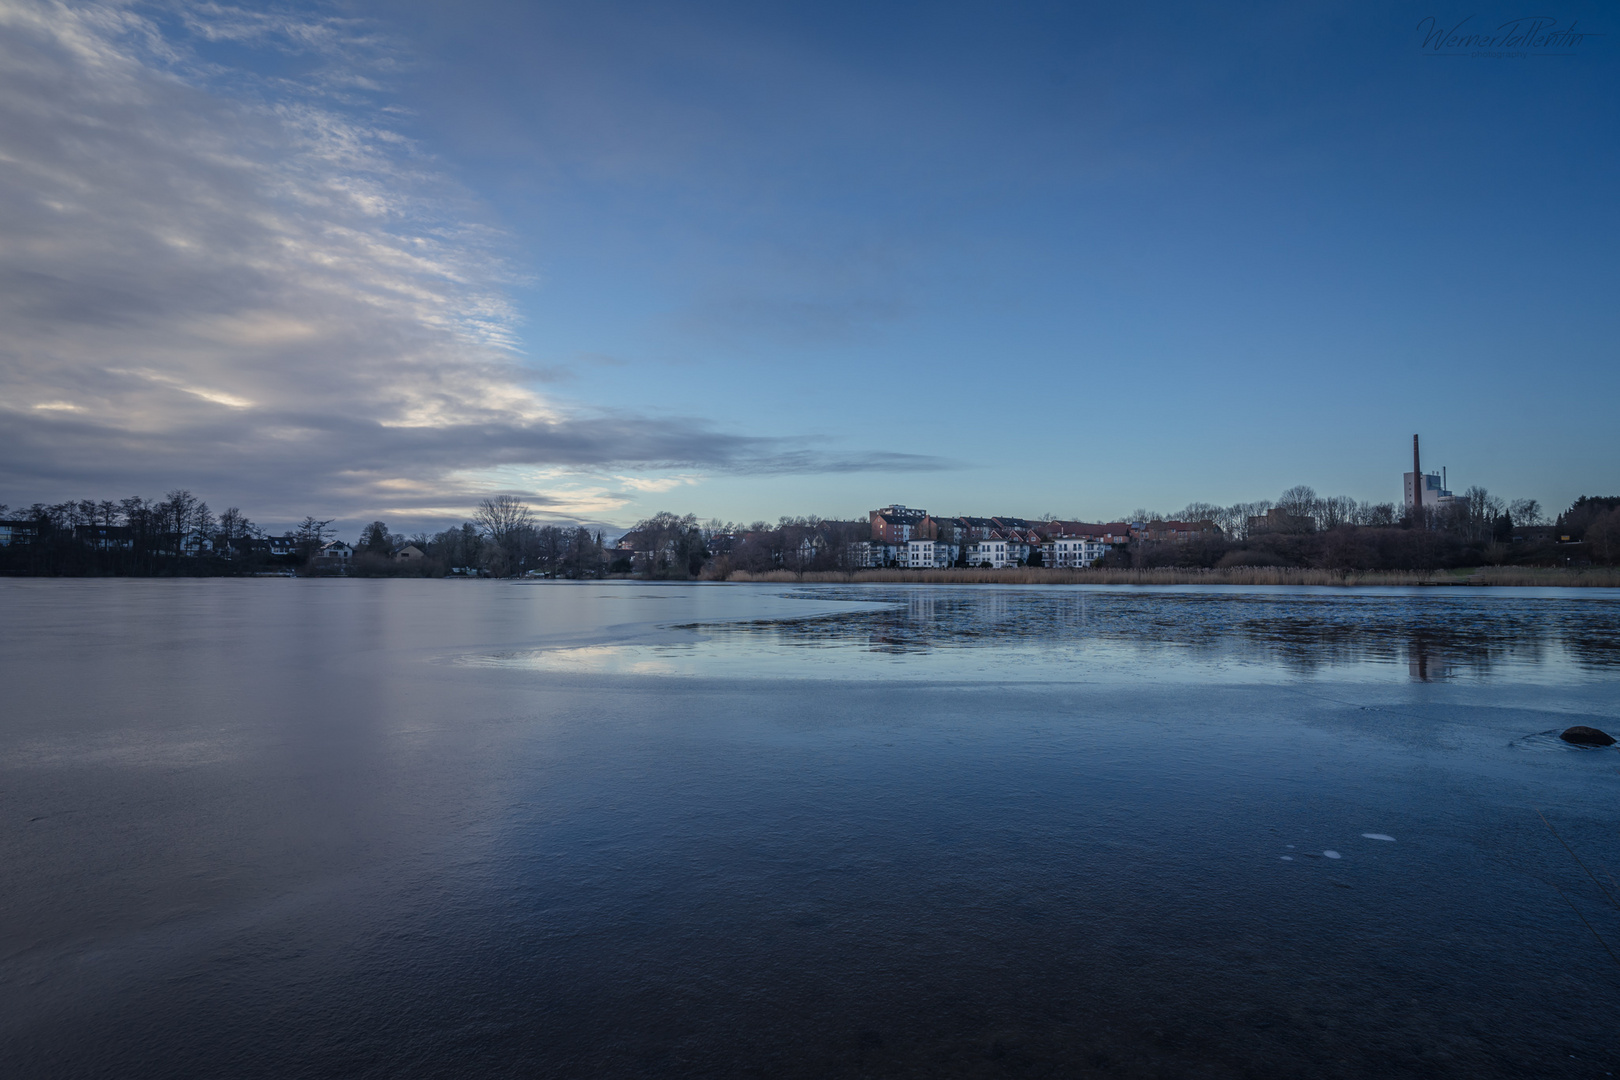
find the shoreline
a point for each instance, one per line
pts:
(1499, 576)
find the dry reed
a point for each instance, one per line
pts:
(1235, 575)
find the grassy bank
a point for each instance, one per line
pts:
(1604, 577)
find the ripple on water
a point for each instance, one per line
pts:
(1548, 742)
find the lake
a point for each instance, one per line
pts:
(289, 828)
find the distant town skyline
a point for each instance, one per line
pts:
(380, 261)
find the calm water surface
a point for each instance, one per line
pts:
(436, 828)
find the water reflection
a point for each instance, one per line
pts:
(1437, 636)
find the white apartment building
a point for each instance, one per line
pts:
(1072, 551)
(873, 554)
(993, 551)
(918, 554)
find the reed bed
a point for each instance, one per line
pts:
(1236, 575)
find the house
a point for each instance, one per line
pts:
(871, 554)
(977, 528)
(1112, 534)
(969, 529)
(195, 543)
(335, 551)
(898, 524)
(1278, 520)
(105, 537)
(809, 549)
(1072, 551)
(918, 554)
(285, 544)
(18, 532)
(1021, 543)
(991, 552)
(1176, 532)
(409, 553)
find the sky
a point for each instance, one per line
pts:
(381, 260)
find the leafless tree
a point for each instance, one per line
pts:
(507, 522)
(1334, 511)
(177, 511)
(1299, 501)
(202, 520)
(1475, 513)
(1526, 512)
(503, 516)
(1375, 515)
(1201, 511)
(311, 533)
(234, 526)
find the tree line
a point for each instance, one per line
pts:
(179, 534)
(1473, 529)
(1474, 515)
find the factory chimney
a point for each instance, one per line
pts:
(1417, 484)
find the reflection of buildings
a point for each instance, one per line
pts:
(1424, 665)
(1436, 640)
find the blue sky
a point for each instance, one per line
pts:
(751, 260)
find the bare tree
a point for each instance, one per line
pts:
(502, 516)
(202, 520)
(507, 522)
(1299, 501)
(311, 534)
(1474, 514)
(65, 515)
(177, 511)
(1526, 512)
(1202, 511)
(1376, 515)
(1334, 511)
(234, 526)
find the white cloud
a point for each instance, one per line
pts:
(251, 286)
(653, 484)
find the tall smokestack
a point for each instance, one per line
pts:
(1417, 484)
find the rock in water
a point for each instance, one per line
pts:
(1587, 736)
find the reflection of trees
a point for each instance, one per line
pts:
(1435, 635)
